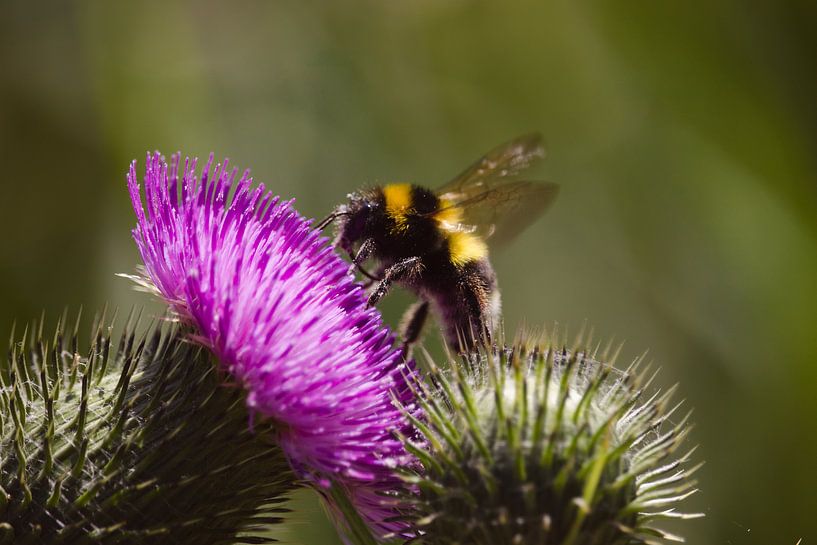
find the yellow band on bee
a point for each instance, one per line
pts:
(448, 216)
(464, 248)
(398, 203)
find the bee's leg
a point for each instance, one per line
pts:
(412, 325)
(364, 252)
(481, 333)
(473, 329)
(372, 278)
(402, 269)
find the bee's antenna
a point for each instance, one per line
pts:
(329, 219)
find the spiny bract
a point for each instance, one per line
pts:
(140, 443)
(539, 445)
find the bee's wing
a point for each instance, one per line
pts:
(493, 204)
(500, 163)
(504, 210)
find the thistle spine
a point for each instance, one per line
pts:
(539, 444)
(143, 444)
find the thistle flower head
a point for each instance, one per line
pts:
(538, 444)
(283, 314)
(134, 441)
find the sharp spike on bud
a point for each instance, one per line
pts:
(562, 433)
(80, 459)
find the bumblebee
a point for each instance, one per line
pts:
(435, 242)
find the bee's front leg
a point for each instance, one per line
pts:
(373, 278)
(364, 252)
(400, 270)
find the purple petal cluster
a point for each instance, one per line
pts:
(285, 317)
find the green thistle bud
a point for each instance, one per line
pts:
(543, 445)
(139, 443)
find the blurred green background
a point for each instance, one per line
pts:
(683, 135)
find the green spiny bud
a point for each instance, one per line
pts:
(539, 445)
(135, 443)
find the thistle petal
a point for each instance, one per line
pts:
(283, 313)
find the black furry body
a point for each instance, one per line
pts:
(412, 250)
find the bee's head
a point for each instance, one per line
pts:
(352, 220)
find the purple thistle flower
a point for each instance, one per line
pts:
(284, 315)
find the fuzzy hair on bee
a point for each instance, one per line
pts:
(435, 242)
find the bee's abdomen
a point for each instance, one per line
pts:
(466, 302)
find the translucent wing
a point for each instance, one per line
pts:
(486, 199)
(502, 212)
(504, 161)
